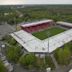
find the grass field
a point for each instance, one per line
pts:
(48, 32)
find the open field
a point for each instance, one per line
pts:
(48, 32)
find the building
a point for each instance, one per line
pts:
(36, 26)
(64, 24)
(40, 47)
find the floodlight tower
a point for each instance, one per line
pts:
(48, 34)
(15, 22)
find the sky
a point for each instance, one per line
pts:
(10, 2)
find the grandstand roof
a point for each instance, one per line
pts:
(64, 23)
(29, 42)
(33, 44)
(35, 23)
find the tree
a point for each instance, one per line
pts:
(63, 55)
(28, 60)
(13, 54)
(40, 64)
(2, 68)
(49, 62)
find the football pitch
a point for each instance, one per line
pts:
(48, 32)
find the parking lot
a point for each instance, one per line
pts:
(5, 29)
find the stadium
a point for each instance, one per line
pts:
(44, 36)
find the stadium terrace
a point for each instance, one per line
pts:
(33, 44)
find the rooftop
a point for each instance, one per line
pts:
(64, 23)
(33, 44)
(35, 23)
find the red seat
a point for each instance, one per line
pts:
(37, 27)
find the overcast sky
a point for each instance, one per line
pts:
(4, 2)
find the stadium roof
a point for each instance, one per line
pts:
(29, 42)
(35, 23)
(64, 23)
(33, 44)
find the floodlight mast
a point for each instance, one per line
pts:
(48, 33)
(48, 45)
(15, 23)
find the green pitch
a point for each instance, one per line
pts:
(48, 32)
